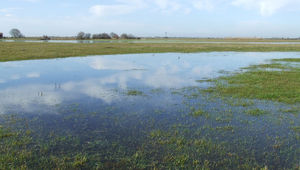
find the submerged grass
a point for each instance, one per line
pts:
(110, 139)
(134, 93)
(198, 113)
(10, 51)
(256, 112)
(269, 66)
(288, 59)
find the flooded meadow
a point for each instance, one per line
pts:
(143, 111)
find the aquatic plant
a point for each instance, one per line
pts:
(256, 112)
(134, 93)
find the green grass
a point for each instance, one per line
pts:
(134, 93)
(268, 66)
(296, 129)
(197, 113)
(288, 60)
(10, 51)
(256, 112)
(281, 86)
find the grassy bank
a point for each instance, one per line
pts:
(276, 81)
(11, 51)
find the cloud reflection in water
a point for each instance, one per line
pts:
(101, 77)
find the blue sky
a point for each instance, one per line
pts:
(200, 18)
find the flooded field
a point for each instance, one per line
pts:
(141, 111)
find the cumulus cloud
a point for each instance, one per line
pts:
(8, 12)
(110, 10)
(168, 5)
(265, 7)
(121, 7)
(30, 0)
(204, 4)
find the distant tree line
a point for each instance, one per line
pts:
(86, 36)
(16, 33)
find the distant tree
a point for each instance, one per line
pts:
(114, 35)
(124, 36)
(80, 36)
(130, 36)
(87, 36)
(1, 35)
(96, 36)
(105, 36)
(45, 37)
(101, 36)
(15, 33)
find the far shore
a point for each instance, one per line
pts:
(12, 51)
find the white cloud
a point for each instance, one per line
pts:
(204, 4)
(8, 15)
(30, 0)
(110, 10)
(266, 7)
(4, 10)
(120, 7)
(8, 12)
(168, 5)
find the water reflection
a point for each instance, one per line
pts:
(101, 77)
(31, 98)
(112, 64)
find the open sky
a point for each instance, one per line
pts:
(199, 18)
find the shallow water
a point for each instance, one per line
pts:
(121, 105)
